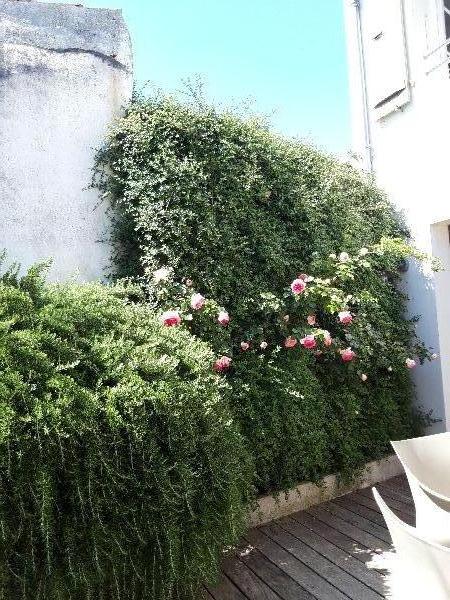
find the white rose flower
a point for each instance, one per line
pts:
(344, 257)
(161, 274)
(410, 363)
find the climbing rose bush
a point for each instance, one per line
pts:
(347, 316)
(279, 238)
(334, 329)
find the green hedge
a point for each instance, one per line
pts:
(236, 212)
(122, 474)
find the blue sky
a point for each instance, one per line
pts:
(287, 55)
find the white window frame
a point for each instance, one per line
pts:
(437, 56)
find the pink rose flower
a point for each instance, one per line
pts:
(311, 319)
(263, 345)
(223, 318)
(410, 363)
(245, 346)
(309, 341)
(290, 342)
(327, 340)
(347, 355)
(345, 317)
(298, 286)
(170, 318)
(222, 364)
(197, 301)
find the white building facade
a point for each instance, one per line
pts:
(399, 56)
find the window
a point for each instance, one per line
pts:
(447, 19)
(387, 60)
(439, 55)
(447, 24)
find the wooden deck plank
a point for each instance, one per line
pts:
(368, 499)
(370, 503)
(371, 514)
(358, 521)
(397, 493)
(338, 577)
(283, 585)
(318, 554)
(341, 558)
(319, 587)
(358, 535)
(392, 502)
(252, 586)
(225, 590)
(354, 548)
(400, 482)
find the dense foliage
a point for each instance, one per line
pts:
(229, 204)
(208, 203)
(325, 385)
(122, 474)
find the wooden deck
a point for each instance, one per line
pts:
(323, 553)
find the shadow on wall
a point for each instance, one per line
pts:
(420, 287)
(440, 239)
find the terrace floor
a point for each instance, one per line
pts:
(334, 551)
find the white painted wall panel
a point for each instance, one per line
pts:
(65, 73)
(410, 151)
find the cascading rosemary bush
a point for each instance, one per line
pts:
(222, 206)
(122, 475)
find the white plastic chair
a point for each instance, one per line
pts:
(426, 461)
(422, 567)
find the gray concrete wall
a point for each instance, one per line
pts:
(65, 73)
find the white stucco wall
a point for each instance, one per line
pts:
(411, 164)
(65, 73)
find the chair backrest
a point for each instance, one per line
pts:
(428, 459)
(424, 565)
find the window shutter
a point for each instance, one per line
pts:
(387, 69)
